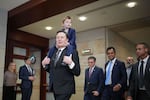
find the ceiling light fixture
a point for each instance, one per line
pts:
(82, 18)
(48, 28)
(131, 4)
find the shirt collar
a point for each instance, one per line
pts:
(113, 61)
(145, 59)
(92, 67)
(27, 65)
(61, 48)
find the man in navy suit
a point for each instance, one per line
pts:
(93, 85)
(115, 77)
(26, 74)
(140, 80)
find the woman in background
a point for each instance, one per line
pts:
(10, 78)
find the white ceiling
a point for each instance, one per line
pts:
(100, 13)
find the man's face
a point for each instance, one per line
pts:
(141, 50)
(67, 23)
(61, 40)
(111, 54)
(130, 60)
(28, 62)
(91, 62)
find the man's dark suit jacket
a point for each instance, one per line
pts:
(24, 76)
(119, 75)
(62, 77)
(95, 82)
(134, 80)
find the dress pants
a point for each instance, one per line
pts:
(26, 93)
(62, 96)
(109, 94)
(142, 95)
(9, 93)
(90, 96)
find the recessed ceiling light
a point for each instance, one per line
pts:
(131, 4)
(82, 18)
(48, 28)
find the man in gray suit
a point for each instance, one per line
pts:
(140, 80)
(62, 81)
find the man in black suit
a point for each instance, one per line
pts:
(26, 74)
(93, 85)
(62, 81)
(140, 80)
(115, 77)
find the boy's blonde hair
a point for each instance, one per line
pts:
(67, 17)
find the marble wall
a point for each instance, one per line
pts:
(3, 31)
(124, 47)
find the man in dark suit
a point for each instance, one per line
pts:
(62, 81)
(26, 74)
(140, 80)
(93, 85)
(115, 77)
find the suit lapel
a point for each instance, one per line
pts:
(87, 74)
(147, 69)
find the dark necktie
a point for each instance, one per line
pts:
(141, 83)
(57, 57)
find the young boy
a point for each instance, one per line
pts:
(72, 38)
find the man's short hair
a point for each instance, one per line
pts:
(92, 57)
(111, 48)
(63, 32)
(26, 58)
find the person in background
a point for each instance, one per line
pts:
(10, 78)
(130, 64)
(66, 24)
(26, 74)
(94, 79)
(115, 77)
(139, 88)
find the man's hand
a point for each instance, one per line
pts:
(31, 78)
(68, 59)
(129, 98)
(45, 61)
(116, 87)
(95, 93)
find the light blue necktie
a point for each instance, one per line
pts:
(108, 74)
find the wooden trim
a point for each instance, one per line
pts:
(27, 38)
(41, 11)
(26, 6)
